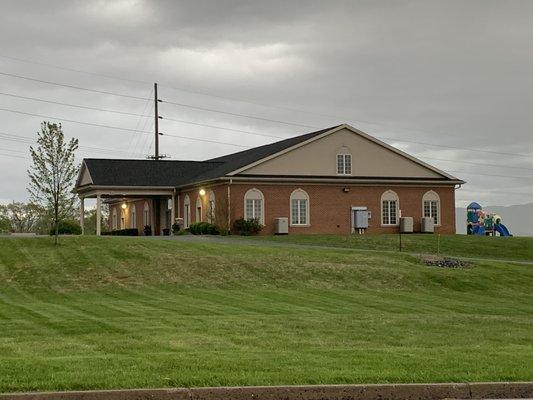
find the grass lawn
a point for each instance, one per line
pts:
(116, 312)
(507, 248)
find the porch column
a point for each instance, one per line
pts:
(82, 214)
(98, 215)
(154, 204)
(173, 214)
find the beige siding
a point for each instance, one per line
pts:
(319, 158)
(85, 178)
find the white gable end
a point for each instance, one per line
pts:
(319, 158)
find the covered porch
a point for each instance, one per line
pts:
(132, 207)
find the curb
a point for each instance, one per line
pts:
(431, 391)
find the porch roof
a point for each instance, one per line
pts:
(141, 173)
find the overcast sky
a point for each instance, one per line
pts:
(447, 73)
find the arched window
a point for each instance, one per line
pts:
(146, 214)
(299, 207)
(389, 208)
(211, 207)
(133, 216)
(254, 205)
(114, 219)
(431, 206)
(344, 161)
(186, 211)
(122, 218)
(198, 209)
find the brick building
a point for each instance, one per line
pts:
(318, 181)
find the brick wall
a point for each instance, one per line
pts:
(139, 208)
(330, 207)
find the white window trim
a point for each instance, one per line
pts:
(300, 194)
(114, 219)
(211, 210)
(146, 212)
(255, 194)
(187, 211)
(432, 196)
(197, 206)
(133, 216)
(343, 164)
(390, 195)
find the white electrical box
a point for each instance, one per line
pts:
(406, 225)
(427, 225)
(281, 226)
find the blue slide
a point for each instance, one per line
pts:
(478, 230)
(502, 230)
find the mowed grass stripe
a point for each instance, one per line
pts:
(150, 313)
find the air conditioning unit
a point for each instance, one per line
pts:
(406, 225)
(427, 225)
(281, 226)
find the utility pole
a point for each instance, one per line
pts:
(157, 117)
(156, 123)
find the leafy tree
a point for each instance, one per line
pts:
(53, 173)
(22, 218)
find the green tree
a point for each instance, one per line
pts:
(22, 218)
(53, 173)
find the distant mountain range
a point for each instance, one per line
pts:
(518, 219)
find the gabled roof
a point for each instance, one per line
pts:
(175, 173)
(149, 173)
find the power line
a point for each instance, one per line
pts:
(28, 140)
(71, 105)
(237, 114)
(14, 156)
(117, 127)
(73, 86)
(74, 121)
(71, 69)
(260, 118)
(475, 163)
(206, 140)
(454, 147)
(491, 175)
(223, 128)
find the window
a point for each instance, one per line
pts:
(114, 219)
(198, 209)
(187, 211)
(146, 214)
(431, 206)
(253, 205)
(299, 207)
(122, 218)
(133, 217)
(211, 207)
(389, 208)
(344, 164)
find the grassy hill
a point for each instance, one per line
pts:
(117, 312)
(487, 247)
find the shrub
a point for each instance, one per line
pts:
(175, 228)
(203, 228)
(123, 232)
(247, 227)
(67, 228)
(147, 230)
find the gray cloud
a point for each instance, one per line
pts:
(444, 72)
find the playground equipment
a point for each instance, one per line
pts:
(479, 222)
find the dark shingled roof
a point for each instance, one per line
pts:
(119, 172)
